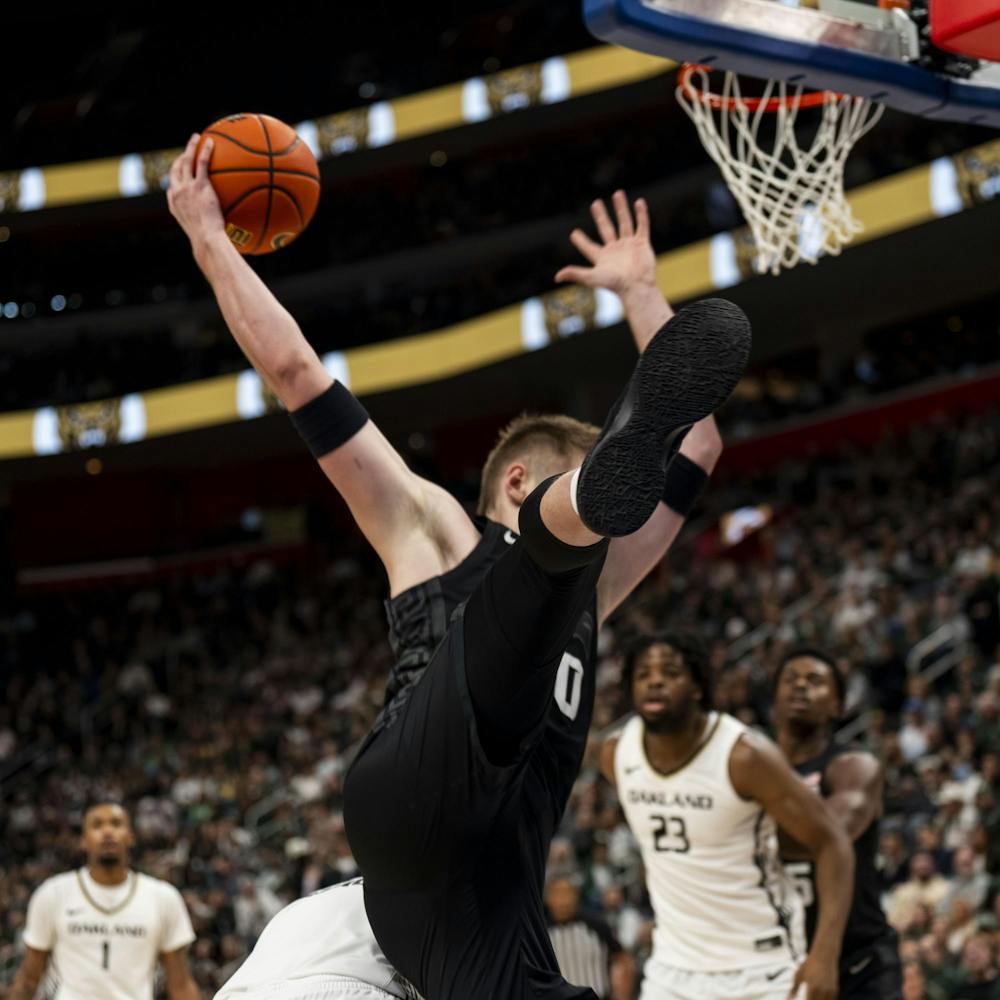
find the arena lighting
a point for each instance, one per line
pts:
(28, 310)
(58, 303)
(10, 310)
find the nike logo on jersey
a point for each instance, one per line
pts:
(633, 768)
(863, 964)
(771, 976)
(509, 537)
(74, 912)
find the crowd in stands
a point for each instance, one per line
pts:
(960, 343)
(223, 708)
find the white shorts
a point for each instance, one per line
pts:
(312, 988)
(661, 982)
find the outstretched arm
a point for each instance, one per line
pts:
(624, 263)
(416, 528)
(760, 772)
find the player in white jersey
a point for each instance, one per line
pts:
(318, 948)
(702, 794)
(98, 933)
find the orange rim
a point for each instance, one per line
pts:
(813, 99)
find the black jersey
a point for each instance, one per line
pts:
(867, 923)
(418, 622)
(476, 834)
(419, 616)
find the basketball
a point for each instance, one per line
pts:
(267, 180)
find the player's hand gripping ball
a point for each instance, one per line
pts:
(266, 178)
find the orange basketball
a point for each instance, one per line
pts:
(266, 178)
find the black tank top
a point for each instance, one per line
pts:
(867, 924)
(419, 617)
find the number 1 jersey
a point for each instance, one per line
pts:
(105, 941)
(721, 897)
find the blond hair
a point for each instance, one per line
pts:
(528, 437)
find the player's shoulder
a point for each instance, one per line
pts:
(157, 888)
(57, 884)
(751, 747)
(610, 739)
(848, 765)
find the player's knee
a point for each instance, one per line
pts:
(552, 554)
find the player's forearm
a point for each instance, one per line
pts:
(703, 444)
(646, 310)
(265, 331)
(622, 977)
(186, 990)
(24, 987)
(835, 891)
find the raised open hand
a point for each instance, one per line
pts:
(624, 258)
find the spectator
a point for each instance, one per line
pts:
(966, 884)
(978, 975)
(914, 984)
(587, 952)
(935, 963)
(924, 888)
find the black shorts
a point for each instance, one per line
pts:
(452, 845)
(875, 973)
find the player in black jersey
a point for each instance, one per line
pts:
(808, 700)
(454, 797)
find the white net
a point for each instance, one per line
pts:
(791, 195)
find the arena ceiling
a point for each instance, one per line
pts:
(78, 84)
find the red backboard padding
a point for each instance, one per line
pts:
(969, 27)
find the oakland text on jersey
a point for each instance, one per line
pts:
(674, 800)
(107, 930)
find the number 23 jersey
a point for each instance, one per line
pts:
(105, 942)
(721, 897)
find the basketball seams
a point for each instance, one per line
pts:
(236, 142)
(288, 149)
(295, 202)
(264, 170)
(270, 186)
(243, 197)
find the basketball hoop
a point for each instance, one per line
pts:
(791, 196)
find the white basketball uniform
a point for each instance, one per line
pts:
(105, 941)
(729, 923)
(318, 948)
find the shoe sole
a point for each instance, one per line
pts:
(686, 372)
